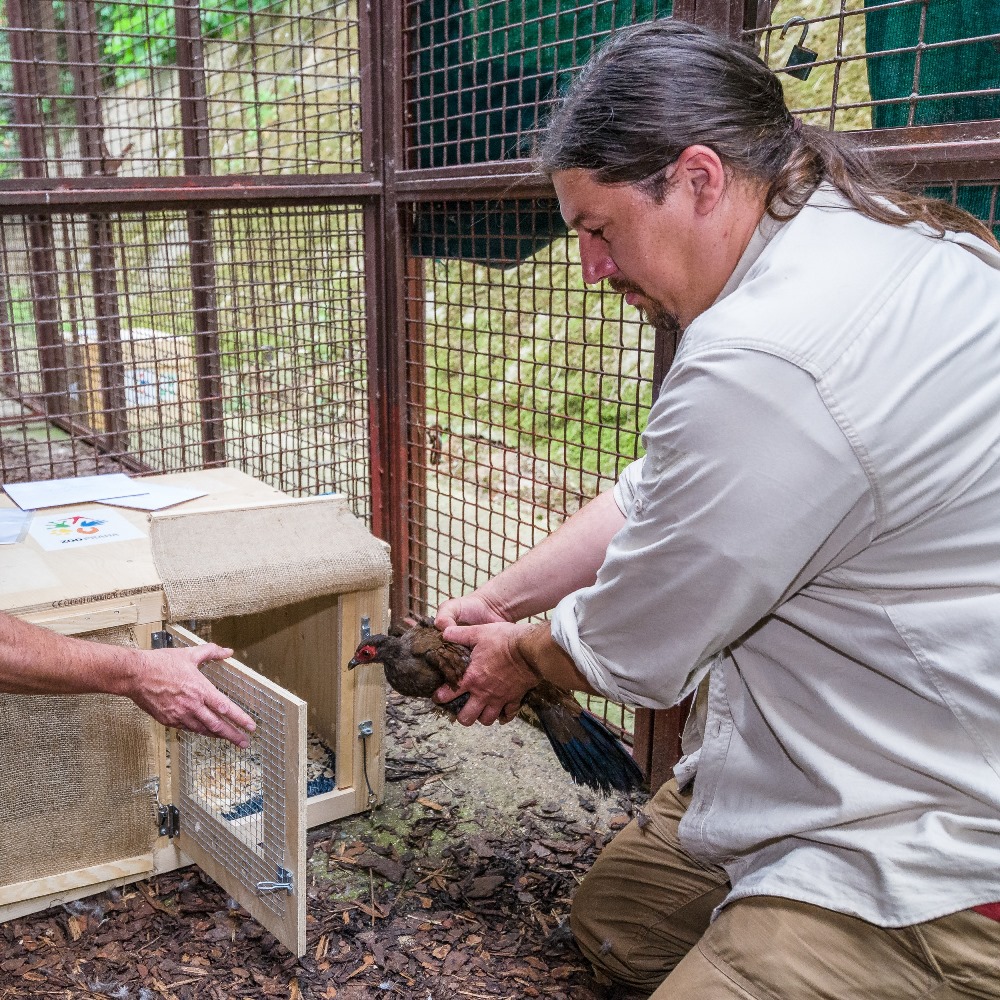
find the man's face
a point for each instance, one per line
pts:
(647, 251)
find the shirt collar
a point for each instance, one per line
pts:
(766, 230)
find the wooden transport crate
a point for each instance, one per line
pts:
(94, 794)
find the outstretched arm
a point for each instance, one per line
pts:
(166, 683)
(507, 658)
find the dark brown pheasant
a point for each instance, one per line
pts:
(418, 661)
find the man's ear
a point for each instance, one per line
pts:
(701, 170)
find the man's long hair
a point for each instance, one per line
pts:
(656, 88)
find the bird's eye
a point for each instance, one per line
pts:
(366, 652)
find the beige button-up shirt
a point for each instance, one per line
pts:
(816, 525)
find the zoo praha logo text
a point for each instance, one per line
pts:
(77, 528)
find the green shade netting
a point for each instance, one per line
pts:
(485, 73)
(952, 69)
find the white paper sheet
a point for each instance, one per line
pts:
(77, 528)
(82, 489)
(13, 525)
(155, 498)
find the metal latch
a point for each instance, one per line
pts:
(366, 627)
(170, 820)
(162, 640)
(282, 880)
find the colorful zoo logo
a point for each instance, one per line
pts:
(81, 527)
(74, 525)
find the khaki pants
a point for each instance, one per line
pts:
(642, 917)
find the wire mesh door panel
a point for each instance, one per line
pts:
(243, 812)
(527, 396)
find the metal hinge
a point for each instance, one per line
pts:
(170, 821)
(162, 640)
(366, 627)
(282, 880)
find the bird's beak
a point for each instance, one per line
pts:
(352, 664)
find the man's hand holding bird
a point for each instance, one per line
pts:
(420, 661)
(508, 660)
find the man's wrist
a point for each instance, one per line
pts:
(548, 660)
(535, 646)
(494, 602)
(125, 665)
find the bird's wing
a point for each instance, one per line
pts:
(448, 658)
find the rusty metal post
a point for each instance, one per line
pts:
(370, 58)
(414, 334)
(198, 161)
(8, 354)
(656, 741)
(84, 58)
(385, 237)
(41, 236)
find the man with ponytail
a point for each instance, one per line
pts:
(810, 546)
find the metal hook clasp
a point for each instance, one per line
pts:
(796, 20)
(800, 59)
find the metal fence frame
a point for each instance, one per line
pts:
(386, 189)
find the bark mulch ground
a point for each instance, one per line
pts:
(457, 886)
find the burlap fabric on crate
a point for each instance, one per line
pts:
(78, 783)
(243, 560)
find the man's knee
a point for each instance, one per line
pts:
(645, 902)
(595, 923)
(611, 939)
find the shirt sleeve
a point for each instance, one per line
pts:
(749, 489)
(627, 486)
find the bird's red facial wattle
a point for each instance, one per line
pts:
(365, 653)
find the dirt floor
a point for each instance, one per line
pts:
(458, 885)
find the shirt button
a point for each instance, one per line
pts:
(637, 506)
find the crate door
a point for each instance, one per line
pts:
(242, 813)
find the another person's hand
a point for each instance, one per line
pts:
(172, 689)
(497, 677)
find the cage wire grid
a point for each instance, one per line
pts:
(108, 88)
(862, 64)
(276, 383)
(480, 77)
(232, 801)
(980, 199)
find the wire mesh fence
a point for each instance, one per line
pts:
(275, 384)
(367, 302)
(479, 76)
(140, 88)
(980, 199)
(860, 64)
(528, 395)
